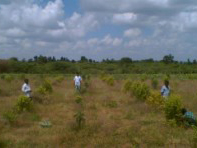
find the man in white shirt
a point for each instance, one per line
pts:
(165, 90)
(77, 82)
(26, 89)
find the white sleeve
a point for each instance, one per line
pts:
(23, 88)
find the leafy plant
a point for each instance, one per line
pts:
(45, 88)
(173, 107)
(23, 104)
(140, 90)
(112, 104)
(194, 138)
(80, 119)
(9, 78)
(127, 86)
(78, 100)
(155, 99)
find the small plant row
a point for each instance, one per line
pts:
(171, 106)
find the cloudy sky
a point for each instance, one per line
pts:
(98, 29)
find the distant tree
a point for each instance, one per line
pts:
(125, 60)
(194, 61)
(83, 59)
(189, 62)
(168, 59)
(14, 59)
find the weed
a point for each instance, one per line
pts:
(24, 104)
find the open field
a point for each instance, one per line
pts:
(113, 118)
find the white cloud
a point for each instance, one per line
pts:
(132, 32)
(124, 18)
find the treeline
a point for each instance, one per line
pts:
(42, 64)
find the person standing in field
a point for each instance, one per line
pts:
(77, 82)
(26, 89)
(165, 90)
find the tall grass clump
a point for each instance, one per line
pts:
(194, 137)
(140, 90)
(127, 86)
(156, 100)
(173, 107)
(23, 104)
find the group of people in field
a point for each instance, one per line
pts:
(165, 92)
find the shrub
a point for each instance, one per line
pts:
(78, 100)
(109, 80)
(155, 99)
(173, 107)
(9, 78)
(143, 77)
(127, 86)
(140, 90)
(154, 83)
(45, 88)
(10, 117)
(2, 76)
(23, 104)
(80, 119)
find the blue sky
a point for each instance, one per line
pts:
(138, 29)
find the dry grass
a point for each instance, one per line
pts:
(113, 118)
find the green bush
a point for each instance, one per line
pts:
(173, 107)
(127, 86)
(2, 76)
(154, 83)
(155, 99)
(143, 77)
(10, 117)
(140, 90)
(80, 119)
(23, 104)
(45, 88)
(9, 78)
(110, 80)
(79, 100)
(111, 104)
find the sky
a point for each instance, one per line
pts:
(98, 29)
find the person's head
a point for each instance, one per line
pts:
(183, 110)
(166, 83)
(26, 81)
(77, 73)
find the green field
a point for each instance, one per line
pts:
(112, 118)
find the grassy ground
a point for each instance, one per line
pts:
(112, 118)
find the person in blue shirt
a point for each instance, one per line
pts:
(188, 117)
(165, 90)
